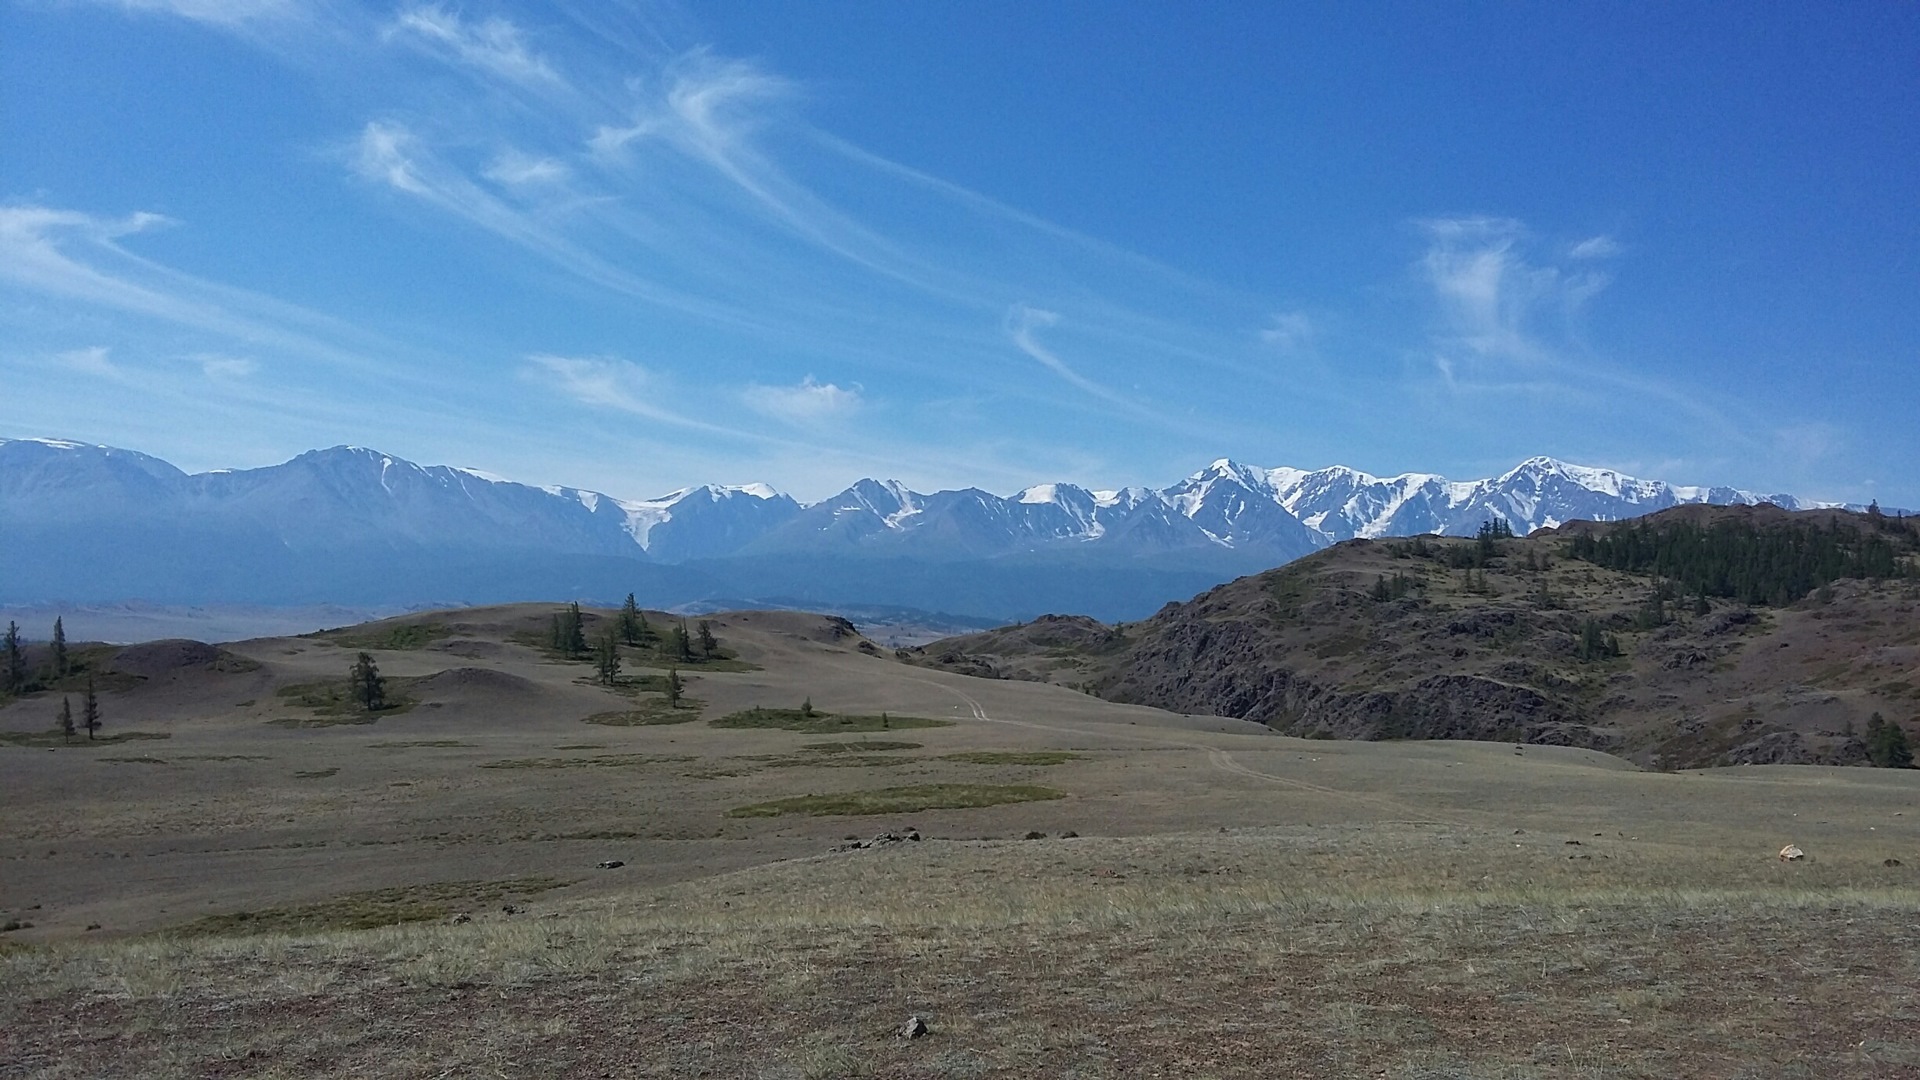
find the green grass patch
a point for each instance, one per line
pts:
(316, 774)
(864, 746)
(1013, 757)
(900, 800)
(402, 744)
(648, 714)
(367, 910)
(822, 723)
(603, 761)
(332, 703)
(404, 636)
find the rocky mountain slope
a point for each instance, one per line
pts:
(1698, 636)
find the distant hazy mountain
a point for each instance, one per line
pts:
(89, 523)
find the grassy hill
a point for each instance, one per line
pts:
(1699, 636)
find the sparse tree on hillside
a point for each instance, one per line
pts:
(1596, 644)
(674, 688)
(14, 670)
(66, 719)
(630, 621)
(606, 662)
(367, 685)
(1887, 744)
(58, 655)
(90, 711)
(708, 643)
(576, 631)
(682, 645)
(806, 708)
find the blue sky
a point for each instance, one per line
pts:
(634, 247)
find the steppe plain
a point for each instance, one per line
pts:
(271, 891)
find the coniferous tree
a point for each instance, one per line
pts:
(556, 635)
(607, 661)
(630, 621)
(59, 649)
(806, 707)
(367, 685)
(66, 719)
(682, 645)
(576, 631)
(708, 643)
(90, 711)
(674, 688)
(1887, 744)
(13, 665)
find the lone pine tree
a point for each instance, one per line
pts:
(631, 622)
(58, 654)
(674, 688)
(366, 684)
(14, 670)
(708, 643)
(66, 719)
(90, 711)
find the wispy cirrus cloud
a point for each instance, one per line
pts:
(1595, 247)
(1492, 298)
(218, 12)
(494, 45)
(607, 382)
(94, 360)
(514, 169)
(1289, 331)
(227, 367)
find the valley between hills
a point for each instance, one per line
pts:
(1410, 808)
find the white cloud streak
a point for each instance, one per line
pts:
(809, 403)
(94, 360)
(227, 13)
(493, 45)
(1597, 247)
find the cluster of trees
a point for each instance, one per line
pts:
(16, 679)
(1392, 588)
(14, 676)
(1595, 643)
(567, 636)
(1737, 560)
(1887, 744)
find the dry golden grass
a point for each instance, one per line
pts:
(1405, 910)
(1399, 952)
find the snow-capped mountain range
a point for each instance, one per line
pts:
(77, 514)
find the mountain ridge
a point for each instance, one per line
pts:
(86, 516)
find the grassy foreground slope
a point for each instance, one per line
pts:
(1758, 650)
(502, 880)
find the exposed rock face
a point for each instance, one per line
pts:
(1506, 640)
